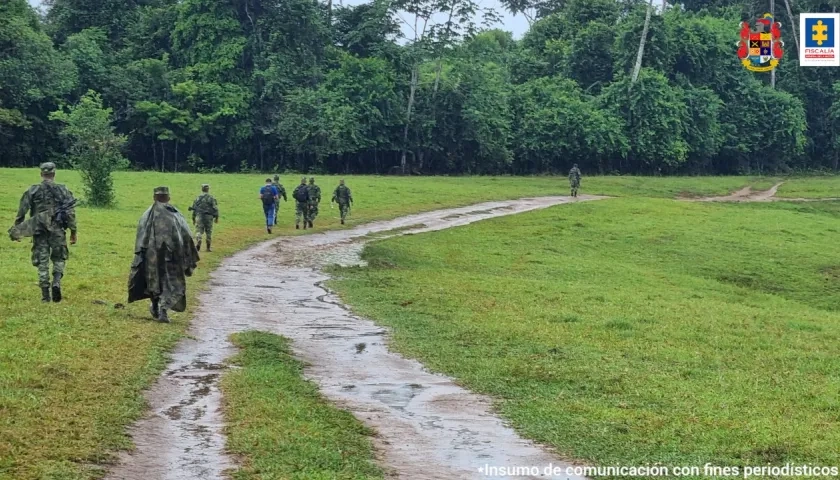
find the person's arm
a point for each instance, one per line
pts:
(349, 195)
(283, 192)
(216, 210)
(71, 220)
(25, 205)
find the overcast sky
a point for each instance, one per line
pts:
(517, 25)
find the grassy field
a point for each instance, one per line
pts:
(283, 427)
(631, 331)
(71, 374)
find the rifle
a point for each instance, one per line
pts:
(62, 214)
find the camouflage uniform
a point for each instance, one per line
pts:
(49, 240)
(205, 211)
(164, 255)
(314, 200)
(281, 192)
(301, 208)
(344, 198)
(574, 179)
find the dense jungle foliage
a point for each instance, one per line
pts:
(276, 85)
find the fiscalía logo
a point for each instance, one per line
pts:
(760, 47)
(820, 34)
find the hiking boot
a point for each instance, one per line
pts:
(56, 293)
(310, 224)
(342, 221)
(297, 226)
(268, 229)
(153, 309)
(164, 317)
(45, 294)
(208, 246)
(304, 225)
(198, 246)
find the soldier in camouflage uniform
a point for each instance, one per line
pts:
(301, 196)
(344, 198)
(206, 209)
(281, 192)
(314, 200)
(574, 179)
(49, 237)
(164, 255)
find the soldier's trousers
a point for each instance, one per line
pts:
(48, 247)
(313, 210)
(204, 226)
(343, 208)
(301, 212)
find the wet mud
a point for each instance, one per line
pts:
(427, 426)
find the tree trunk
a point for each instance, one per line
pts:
(792, 24)
(773, 12)
(413, 90)
(641, 52)
(176, 155)
(162, 156)
(154, 154)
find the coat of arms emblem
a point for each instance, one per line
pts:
(760, 47)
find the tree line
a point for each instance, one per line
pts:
(309, 86)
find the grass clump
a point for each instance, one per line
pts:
(280, 423)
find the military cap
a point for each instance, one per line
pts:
(162, 191)
(277, 177)
(48, 167)
(311, 179)
(205, 185)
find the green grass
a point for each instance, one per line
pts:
(72, 374)
(282, 425)
(631, 331)
(810, 187)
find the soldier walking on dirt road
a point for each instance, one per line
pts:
(51, 208)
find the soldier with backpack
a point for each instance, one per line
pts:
(268, 195)
(301, 196)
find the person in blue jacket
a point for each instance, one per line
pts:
(268, 195)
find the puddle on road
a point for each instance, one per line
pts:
(427, 427)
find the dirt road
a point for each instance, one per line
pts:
(428, 427)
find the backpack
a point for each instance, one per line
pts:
(268, 196)
(301, 193)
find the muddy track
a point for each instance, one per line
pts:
(747, 194)
(427, 426)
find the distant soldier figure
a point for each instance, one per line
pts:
(344, 198)
(51, 209)
(314, 200)
(281, 192)
(268, 195)
(574, 179)
(205, 211)
(301, 196)
(164, 255)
